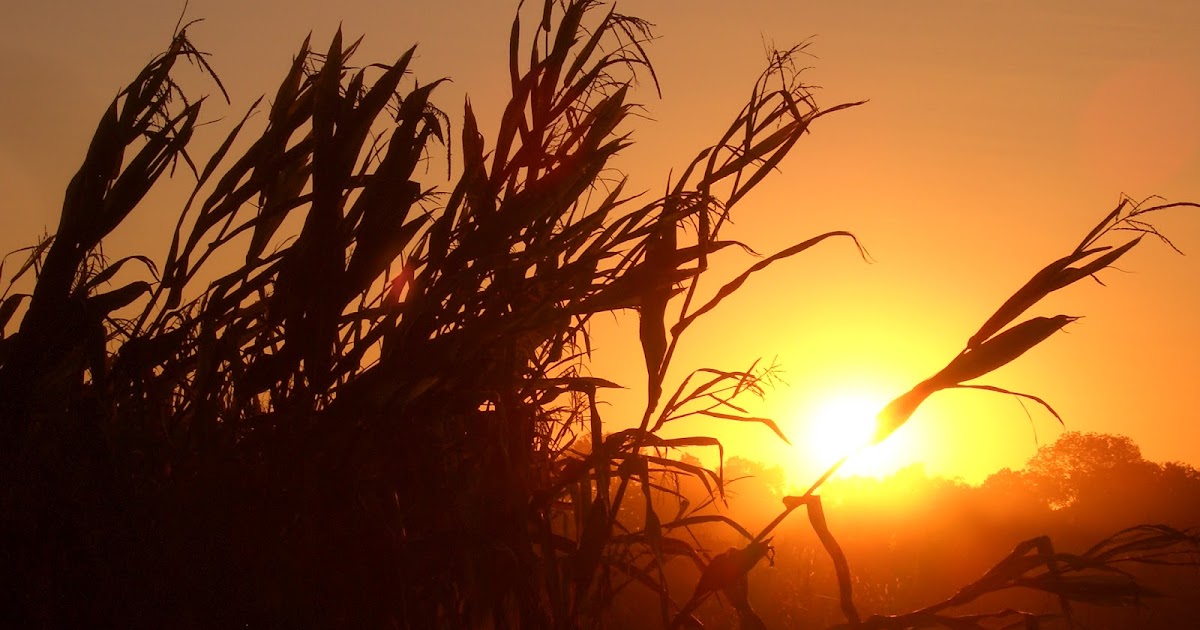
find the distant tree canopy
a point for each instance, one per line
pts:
(1076, 454)
(1093, 474)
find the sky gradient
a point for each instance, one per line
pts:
(996, 135)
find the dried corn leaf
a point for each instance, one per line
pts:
(999, 350)
(105, 303)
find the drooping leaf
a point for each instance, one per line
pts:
(767, 422)
(108, 272)
(9, 307)
(105, 303)
(1000, 350)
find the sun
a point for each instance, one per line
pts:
(843, 424)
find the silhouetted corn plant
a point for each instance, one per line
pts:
(370, 423)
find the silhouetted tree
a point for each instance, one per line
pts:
(1075, 462)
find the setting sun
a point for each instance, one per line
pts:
(843, 425)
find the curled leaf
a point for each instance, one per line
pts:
(1000, 350)
(896, 413)
(106, 303)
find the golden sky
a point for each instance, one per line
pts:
(996, 135)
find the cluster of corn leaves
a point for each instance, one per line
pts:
(370, 421)
(998, 341)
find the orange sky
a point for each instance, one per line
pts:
(997, 134)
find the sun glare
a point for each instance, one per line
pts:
(843, 425)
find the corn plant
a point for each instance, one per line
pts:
(389, 399)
